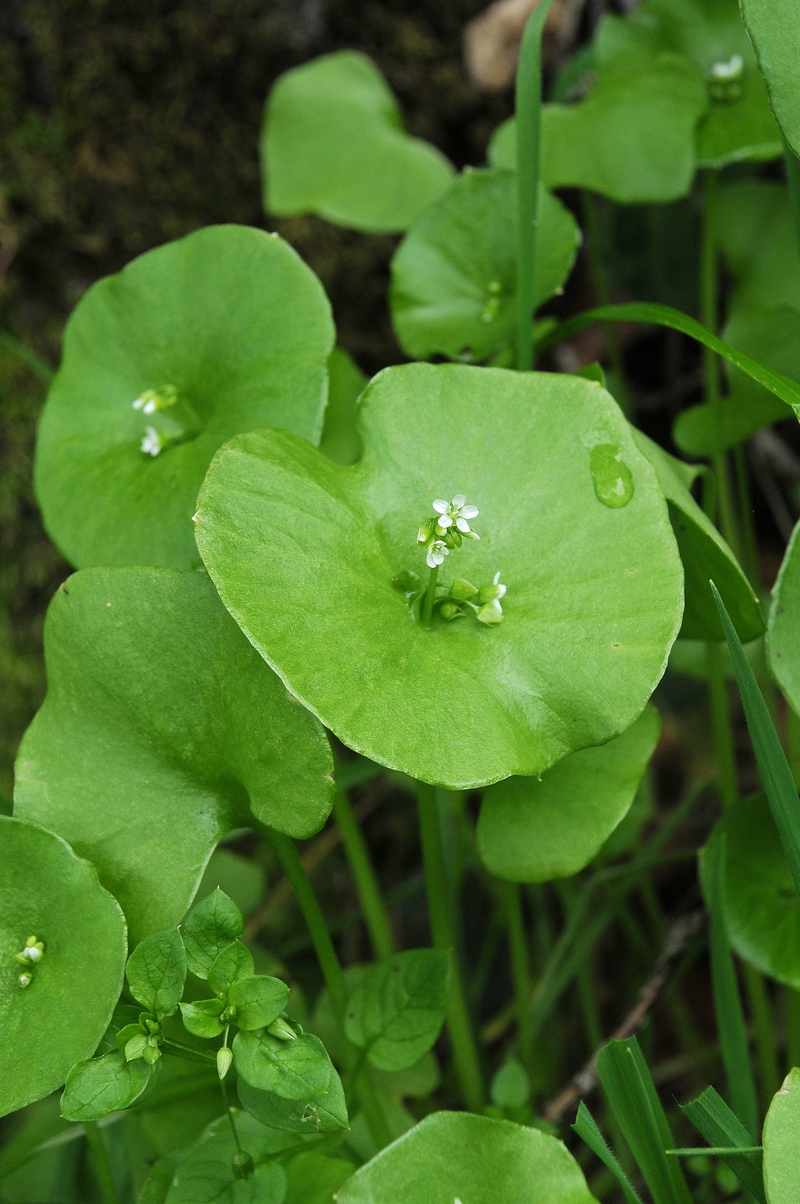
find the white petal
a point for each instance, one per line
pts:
(444, 522)
(470, 511)
(495, 579)
(458, 500)
(440, 506)
(503, 590)
(462, 524)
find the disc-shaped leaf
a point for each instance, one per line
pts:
(762, 908)
(333, 143)
(774, 28)
(631, 139)
(570, 513)
(534, 829)
(783, 634)
(159, 724)
(397, 1010)
(458, 1156)
(454, 276)
(705, 555)
(60, 1016)
(222, 331)
(781, 1145)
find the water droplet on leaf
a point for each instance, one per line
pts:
(613, 480)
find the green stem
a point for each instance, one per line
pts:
(793, 180)
(721, 724)
(748, 534)
(332, 972)
(793, 752)
(465, 1052)
(521, 970)
(101, 1163)
(228, 1109)
(429, 597)
(597, 269)
(528, 111)
(369, 892)
(764, 1033)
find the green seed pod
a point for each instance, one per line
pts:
(242, 1163)
(224, 1060)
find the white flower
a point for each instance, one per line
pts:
(502, 588)
(151, 443)
(436, 553)
(456, 512)
(726, 71)
(33, 954)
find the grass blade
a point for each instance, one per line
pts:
(529, 109)
(776, 775)
(586, 1128)
(712, 1117)
(734, 1045)
(633, 1100)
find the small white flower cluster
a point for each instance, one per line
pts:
(30, 956)
(725, 80)
(156, 399)
(151, 443)
(447, 528)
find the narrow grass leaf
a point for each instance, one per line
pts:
(712, 1117)
(586, 1127)
(776, 775)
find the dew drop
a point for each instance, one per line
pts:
(613, 481)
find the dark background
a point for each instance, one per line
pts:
(126, 124)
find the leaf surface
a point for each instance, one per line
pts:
(156, 972)
(397, 1010)
(102, 1085)
(210, 926)
(774, 28)
(781, 1147)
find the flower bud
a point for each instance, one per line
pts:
(25, 980)
(449, 610)
(224, 1059)
(280, 1029)
(135, 1047)
(491, 614)
(228, 1014)
(242, 1164)
(462, 590)
(151, 1053)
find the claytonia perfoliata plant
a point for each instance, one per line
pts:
(30, 956)
(177, 419)
(441, 534)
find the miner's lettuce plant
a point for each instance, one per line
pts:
(463, 575)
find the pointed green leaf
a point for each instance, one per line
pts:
(233, 323)
(160, 722)
(202, 1018)
(333, 144)
(61, 1015)
(456, 1155)
(103, 1085)
(776, 775)
(762, 907)
(324, 1112)
(210, 926)
(712, 1117)
(258, 1000)
(774, 28)
(589, 617)
(234, 963)
(535, 829)
(586, 1127)
(156, 972)
(397, 1010)
(294, 1070)
(781, 1145)
(705, 556)
(454, 275)
(638, 1111)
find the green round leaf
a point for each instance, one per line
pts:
(774, 28)
(454, 276)
(298, 1069)
(234, 963)
(570, 512)
(511, 1087)
(99, 1086)
(762, 908)
(160, 723)
(534, 829)
(258, 1000)
(458, 1156)
(783, 632)
(59, 1018)
(324, 1112)
(398, 1008)
(781, 1145)
(705, 556)
(346, 383)
(333, 143)
(228, 323)
(205, 1175)
(210, 927)
(156, 972)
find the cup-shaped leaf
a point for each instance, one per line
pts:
(296, 1070)
(234, 963)
(160, 714)
(333, 143)
(705, 555)
(60, 1015)
(210, 927)
(397, 1010)
(258, 1000)
(324, 1112)
(762, 907)
(457, 1156)
(96, 1087)
(202, 1019)
(156, 972)
(219, 332)
(534, 829)
(781, 1147)
(454, 275)
(346, 383)
(304, 554)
